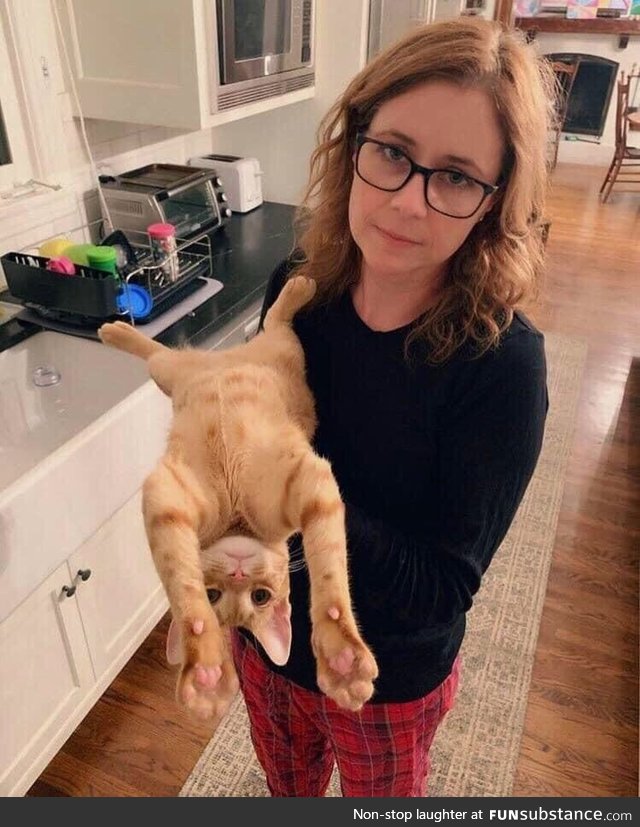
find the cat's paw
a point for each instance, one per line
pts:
(112, 332)
(207, 682)
(346, 668)
(300, 290)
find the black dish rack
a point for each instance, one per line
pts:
(90, 296)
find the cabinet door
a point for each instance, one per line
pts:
(243, 328)
(45, 672)
(139, 61)
(122, 599)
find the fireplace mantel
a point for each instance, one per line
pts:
(620, 26)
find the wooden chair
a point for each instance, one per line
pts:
(565, 76)
(625, 164)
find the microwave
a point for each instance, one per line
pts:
(191, 199)
(265, 48)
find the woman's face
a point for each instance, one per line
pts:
(438, 125)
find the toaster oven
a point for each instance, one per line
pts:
(191, 199)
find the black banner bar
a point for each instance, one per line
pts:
(306, 812)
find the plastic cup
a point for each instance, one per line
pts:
(103, 258)
(78, 253)
(54, 247)
(61, 264)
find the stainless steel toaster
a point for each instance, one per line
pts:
(190, 198)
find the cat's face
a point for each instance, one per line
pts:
(248, 585)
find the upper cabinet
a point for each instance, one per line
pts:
(188, 63)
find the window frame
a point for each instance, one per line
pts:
(21, 167)
(35, 86)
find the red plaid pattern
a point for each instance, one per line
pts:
(383, 750)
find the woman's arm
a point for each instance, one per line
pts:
(488, 449)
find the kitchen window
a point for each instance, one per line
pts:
(16, 163)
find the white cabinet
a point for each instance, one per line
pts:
(45, 672)
(152, 62)
(65, 638)
(123, 590)
(61, 650)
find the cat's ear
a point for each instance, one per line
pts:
(275, 634)
(173, 648)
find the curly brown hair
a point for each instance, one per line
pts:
(498, 267)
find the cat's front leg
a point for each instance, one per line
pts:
(346, 667)
(303, 496)
(207, 682)
(174, 507)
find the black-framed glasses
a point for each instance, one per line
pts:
(447, 191)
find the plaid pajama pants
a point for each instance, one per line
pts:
(383, 750)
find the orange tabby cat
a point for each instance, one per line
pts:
(238, 478)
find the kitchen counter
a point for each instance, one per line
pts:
(76, 453)
(244, 253)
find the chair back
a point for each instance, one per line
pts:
(622, 107)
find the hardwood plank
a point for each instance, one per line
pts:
(68, 777)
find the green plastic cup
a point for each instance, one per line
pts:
(103, 258)
(78, 253)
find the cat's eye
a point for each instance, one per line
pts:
(214, 595)
(261, 596)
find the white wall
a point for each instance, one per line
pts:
(585, 152)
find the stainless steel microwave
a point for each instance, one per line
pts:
(265, 47)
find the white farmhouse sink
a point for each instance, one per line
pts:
(81, 425)
(51, 387)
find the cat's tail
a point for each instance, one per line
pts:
(128, 338)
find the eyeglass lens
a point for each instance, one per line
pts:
(446, 191)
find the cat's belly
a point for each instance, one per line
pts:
(237, 527)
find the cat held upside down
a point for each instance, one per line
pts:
(238, 478)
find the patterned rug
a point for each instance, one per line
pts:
(476, 748)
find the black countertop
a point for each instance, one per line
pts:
(244, 252)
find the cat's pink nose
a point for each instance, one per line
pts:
(238, 574)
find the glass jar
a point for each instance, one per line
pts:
(164, 250)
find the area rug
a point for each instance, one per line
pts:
(476, 748)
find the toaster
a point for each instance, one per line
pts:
(241, 179)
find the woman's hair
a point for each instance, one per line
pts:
(499, 265)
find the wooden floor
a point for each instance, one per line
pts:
(581, 733)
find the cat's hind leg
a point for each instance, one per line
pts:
(125, 337)
(174, 508)
(293, 296)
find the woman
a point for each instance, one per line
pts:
(420, 229)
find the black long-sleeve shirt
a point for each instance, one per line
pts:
(432, 463)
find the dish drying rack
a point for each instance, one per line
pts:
(91, 296)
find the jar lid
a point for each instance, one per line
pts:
(161, 230)
(135, 300)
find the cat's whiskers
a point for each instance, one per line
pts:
(296, 559)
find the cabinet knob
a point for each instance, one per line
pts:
(84, 574)
(68, 591)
